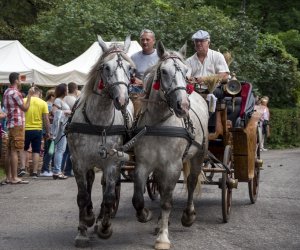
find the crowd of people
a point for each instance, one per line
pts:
(31, 120)
(34, 126)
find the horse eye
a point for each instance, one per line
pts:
(163, 71)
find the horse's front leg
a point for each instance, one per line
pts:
(109, 181)
(189, 213)
(90, 216)
(143, 214)
(83, 201)
(167, 184)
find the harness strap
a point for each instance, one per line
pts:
(90, 129)
(166, 131)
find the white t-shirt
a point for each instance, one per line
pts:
(143, 62)
(70, 100)
(213, 63)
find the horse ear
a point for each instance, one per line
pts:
(183, 49)
(160, 49)
(127, 44)
(102, 44)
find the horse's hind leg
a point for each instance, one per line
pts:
(143, 214)
(189, 213)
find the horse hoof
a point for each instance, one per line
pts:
(104, 233)
(81, 241)
(162, 245)
(89, 220)
(188, 218)
(145, 216)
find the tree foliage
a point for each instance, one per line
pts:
(18, 13)
(269, 16)
(60, 31)
(291, 41)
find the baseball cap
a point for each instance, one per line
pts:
(201, 35)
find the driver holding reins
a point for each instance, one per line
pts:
(206, 62)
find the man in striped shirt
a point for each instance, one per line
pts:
(15, 106)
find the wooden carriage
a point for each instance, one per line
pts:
(234, 146)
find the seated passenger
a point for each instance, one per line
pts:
(206, 62)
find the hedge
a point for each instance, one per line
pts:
(285, 128)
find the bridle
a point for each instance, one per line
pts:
(169, 91)
(106, 86)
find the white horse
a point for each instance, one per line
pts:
(97, 129)
(177, 132)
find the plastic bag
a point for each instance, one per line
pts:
(51, 148)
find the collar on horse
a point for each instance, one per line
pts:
(90, 129)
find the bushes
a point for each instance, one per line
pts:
(285, 128)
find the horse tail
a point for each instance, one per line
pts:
(186, 171)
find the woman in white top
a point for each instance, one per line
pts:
(60, 111)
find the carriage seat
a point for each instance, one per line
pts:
(247, 105)
(239, 107)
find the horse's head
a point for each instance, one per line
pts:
(170, 80)
(115, 69)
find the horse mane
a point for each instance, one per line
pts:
(94, 74)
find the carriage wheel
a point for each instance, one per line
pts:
(152, 187)
(226, 189)
(253, 184)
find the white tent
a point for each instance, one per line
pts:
(76, 70)
(14, 57)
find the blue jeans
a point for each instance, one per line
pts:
(47, 157)
(136, 89)
(60, 148)
(66, 163)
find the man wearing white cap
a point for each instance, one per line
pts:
(206, 62)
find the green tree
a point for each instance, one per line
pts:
(269, 16)
(291, 41)
(276, 72)
(70, 27)
(18, 13)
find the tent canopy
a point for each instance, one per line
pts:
(76, 70)
(14, 57)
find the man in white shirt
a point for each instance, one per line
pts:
(144, 59)
(206, 62)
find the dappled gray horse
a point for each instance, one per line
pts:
(96, 131)
(176, 124)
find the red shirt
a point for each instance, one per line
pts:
(12, 100)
